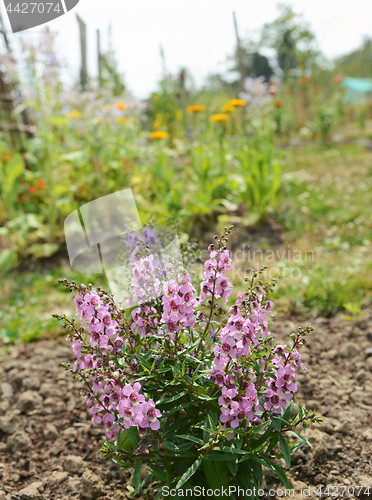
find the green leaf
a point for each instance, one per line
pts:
(256, 467)
(233, 466)
(273, 442)
(190, 472)
(277, 470)
(286, 451)
(40, 250)
(158, 472)
(8, 260)
(277, 423)
(159, 495)
(137, 475)
(190, 438)
(116, 424)
(258, 444)
(124, 441)
(123, 465)
(300, 411)
(305, 441)
(143, 361)
(169, 445)
(176, 408)
(176, 368)
(182, 422)
(215, 474)
(174, 398)
(133, 436)
(235, 451)
(222, 457)
(288, 412)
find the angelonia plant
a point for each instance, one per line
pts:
(195, 389)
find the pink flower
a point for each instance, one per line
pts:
(214, 280)
(150, 415)
(227, 395)
(96, 418)
(273, 402)
(108, 421)
(178, 304)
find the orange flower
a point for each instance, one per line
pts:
(237, 103)
(195, 108)
(159, 134)
(32, 189)
(41, 184)
(73, 114)
(122, 119)
(219, 117)
(337, 79)
(120, 106)
(227, 107)
(7, 156)
(306, 80)
(278, 104)
(290, 92)
(317, 90)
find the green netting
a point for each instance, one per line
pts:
(358, 90)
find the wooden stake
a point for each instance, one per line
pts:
(100, 59)
(240, 55)
(8, 91)
(83, 47)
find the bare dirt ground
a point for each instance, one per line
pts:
(49, 448)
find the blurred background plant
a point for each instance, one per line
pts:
(235, 148)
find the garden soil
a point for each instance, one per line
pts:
(49, 448)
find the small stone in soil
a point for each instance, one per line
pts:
(31, 491)
(50, 432)
(4, 405)
(70, 432)
(71, 405)
(31, 383)
(312, 404)
(6, 390)
(10, 423)
(367, 434)
(348, 350)
(369, 363)
(20, 441)
(28, 400)
(57, 477)
(72, 485)
(74, 464)
(343, 427)
(320, 479)
(331, 354)
(92, 486)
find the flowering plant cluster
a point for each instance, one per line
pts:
(202, 395)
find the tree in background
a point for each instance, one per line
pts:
(255, 64)
(292, 41)
(358, 63)
(112, 78)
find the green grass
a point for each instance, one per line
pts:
(326, 208)
(29, 298)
